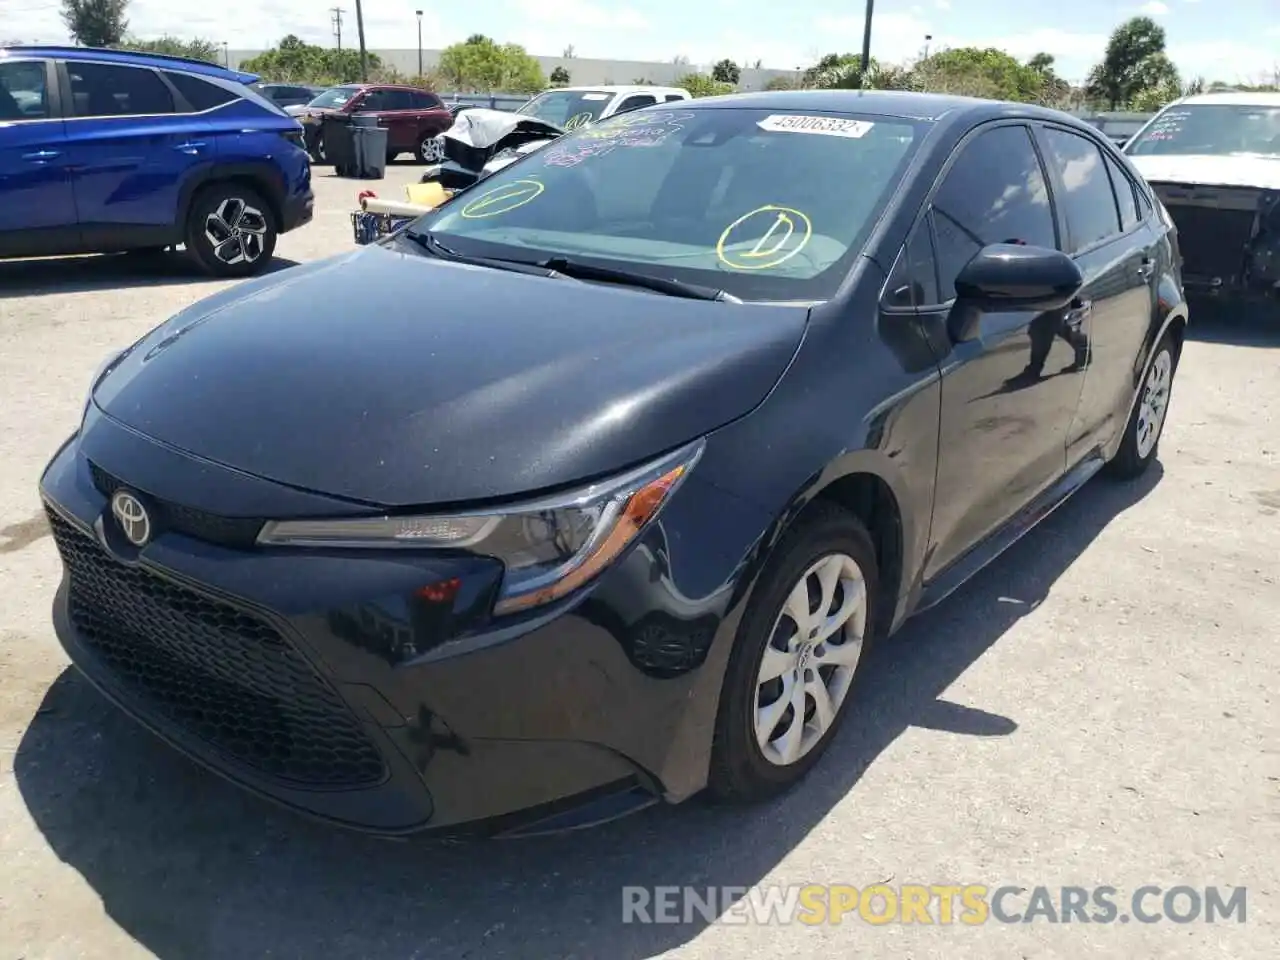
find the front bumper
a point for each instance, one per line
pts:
(320, 679)
(298, 210)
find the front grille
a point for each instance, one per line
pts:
(222, 674)
(1212, 242)
(197, 524)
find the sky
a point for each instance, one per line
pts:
(1204, 39)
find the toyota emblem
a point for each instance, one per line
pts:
(132, 516)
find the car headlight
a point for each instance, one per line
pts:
(549, 547)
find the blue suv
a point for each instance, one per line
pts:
(106, 151)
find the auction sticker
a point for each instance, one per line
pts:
(826, 126)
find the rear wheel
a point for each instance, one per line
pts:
(231, 231)
(1141, 441)
(317, 150)
(798, 652)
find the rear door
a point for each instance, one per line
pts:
(1115, 248)
(130, 150)
(37, 207)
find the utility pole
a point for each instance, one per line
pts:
(419, 14)
(337, 24)
(364, 56)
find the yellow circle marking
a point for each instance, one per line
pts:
(786, 233)
(578, 120)
(504, 199)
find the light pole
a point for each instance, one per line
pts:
(419, 15)
(226, 55)
(364, 56)
(866, 41)
(927, 38)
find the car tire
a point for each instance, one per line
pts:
(231, 230)
(317, 150)
(1141, 443)
(758, 751)
(429, 149)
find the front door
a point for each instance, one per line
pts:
(37, 208)
(392, 110)
(130, 152)
(1009, 394)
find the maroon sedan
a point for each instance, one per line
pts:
(412, 117)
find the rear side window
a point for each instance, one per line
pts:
(425, 101)
(995, 192)
(109, 90)
(636, 102)
(673, 97)
(1126, 195)
(1087, 198)
(23, 94)
(201, 94)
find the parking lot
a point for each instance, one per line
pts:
(1101, 707)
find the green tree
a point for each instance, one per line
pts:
(835, 70)
(701, 85)
(294, 61)
(95, 23)
(482, 64)
(726, 71)
(980, 72)
(1126, 70)
(175, 47)
(780, 83)
(560, 77)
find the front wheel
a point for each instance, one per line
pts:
(430, 149)
(798, 652)
(1141, 440)
(231, 231)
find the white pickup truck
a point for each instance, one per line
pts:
(572, 107)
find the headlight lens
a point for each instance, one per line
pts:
(549, 547)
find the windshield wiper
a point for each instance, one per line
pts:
(427, 241)
(672, 288)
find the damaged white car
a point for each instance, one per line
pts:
(1214, 162)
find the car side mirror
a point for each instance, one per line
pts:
(1006, 276)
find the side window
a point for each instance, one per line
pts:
(914, 281)
(1087, 199)
(426, 101)
(995, 192)
(376, 100)
(108, 90)
(673, 97)
(1126, 195)
(636, 102)
(23, 91)
(399, 100)
(201, 94)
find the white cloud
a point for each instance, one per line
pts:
(1154, 8)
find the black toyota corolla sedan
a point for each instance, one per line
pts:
(595, 485)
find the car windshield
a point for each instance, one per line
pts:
(1211, 130)
(568, 109)
(334, 97)
(762, 205)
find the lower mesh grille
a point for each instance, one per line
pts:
(224, 675)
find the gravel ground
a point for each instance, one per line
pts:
(1099, 708)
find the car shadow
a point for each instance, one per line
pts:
(193, 868)
(1258, 326)
(80, 274)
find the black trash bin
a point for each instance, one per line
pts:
(339, 146)
(370, 152)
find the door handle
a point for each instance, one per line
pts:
(1078, 311)
(42, 156)
(1146, 268)
(191, 147)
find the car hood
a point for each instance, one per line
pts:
(394, 379)
(1238, 171)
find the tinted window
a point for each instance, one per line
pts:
(696, 194)
(914, 282)
(107, 90)
(673, 97)
(995, 192)
(636, 102)
(201, 94)
(22, 91)
(1125, 195)
(1087, 198)
(378, 100)
(425, 101)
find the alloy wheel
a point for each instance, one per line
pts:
(810, 660)
(433, 149)
(236, 232)
(1154, 402)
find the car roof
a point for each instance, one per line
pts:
(619, 88)
(131, 58)
(1242, 98)
(898, 104)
